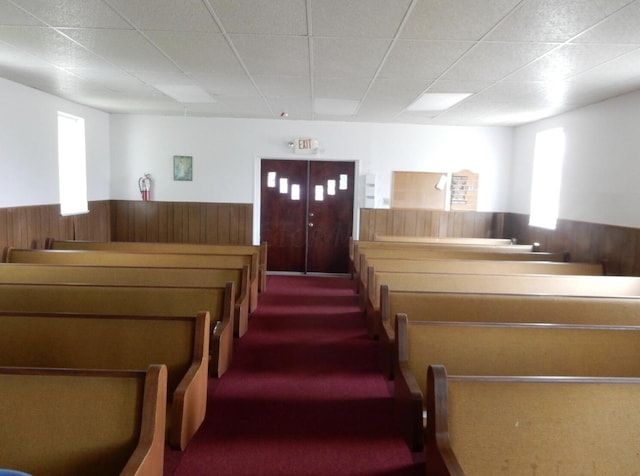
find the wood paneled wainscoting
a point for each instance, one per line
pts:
(411, 222)
(618, 247)
(30, 226)
(119, 220)
(182, 222)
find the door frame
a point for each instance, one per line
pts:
(256, 189)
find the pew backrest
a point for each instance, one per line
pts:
(137, 276)
(516, 425)
(445, 239)
(98, 341)
(164, 260)
(158, 247)
(62, 421)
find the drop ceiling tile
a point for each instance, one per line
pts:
(74, 13)
(455, 19)
(620, 27)
(273, 17)
(273, 55)
(568, 60)
(348, 57)
(458, 86)
(197, 52)
(48, 45)
(241, 106)
(10, 15)
(284, 86)
(126, 49)
(396, 90)
(360, 18)
(549, 21)
(418, 59)
(491, 61)
(226, 84)
(340, 88)
(174, 15)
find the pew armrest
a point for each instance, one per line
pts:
(409, 406)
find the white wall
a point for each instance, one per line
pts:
(226, 153)
(601, 171)
(29, 146)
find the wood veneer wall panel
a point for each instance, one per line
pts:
(183, 222)
(618, 247)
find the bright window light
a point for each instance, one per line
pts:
(72, 165)
(547, 177)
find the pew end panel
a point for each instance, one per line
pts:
(222, 332)
(83, 421)
(559, 425)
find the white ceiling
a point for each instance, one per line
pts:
(323, 59)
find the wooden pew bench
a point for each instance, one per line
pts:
(445, 239)
(61, 421)
(133, 301)
(515, 425)
(145, 260)
(100, 341)
(468, 348)
(404, 297)
(386, 271)
(138, 276)
(156, 247)
(359, 265)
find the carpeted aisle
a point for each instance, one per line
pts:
(303, 395)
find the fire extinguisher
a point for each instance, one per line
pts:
(144, 184)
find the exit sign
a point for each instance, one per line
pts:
(305, 145)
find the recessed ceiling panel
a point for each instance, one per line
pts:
(362, 18)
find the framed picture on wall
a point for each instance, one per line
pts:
(182, 167)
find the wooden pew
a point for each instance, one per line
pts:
(472, 348)
(146, 260)
(61, 421)
(115, 342)
(445, 239)
(157, 247)
(404, 297)
(133, 301)
(359, 264)
(385, 270)
(138, 276)
(535, 425)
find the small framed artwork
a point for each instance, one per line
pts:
(182, 167)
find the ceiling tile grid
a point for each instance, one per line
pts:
(356, 60)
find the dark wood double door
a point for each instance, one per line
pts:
(306, 214)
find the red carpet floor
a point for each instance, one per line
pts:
(303, 395)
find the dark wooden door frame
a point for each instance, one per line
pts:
(257, 190)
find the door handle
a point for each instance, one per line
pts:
(310, 225)
(311, 215)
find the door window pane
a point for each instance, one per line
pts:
(284, 185)
(343, 182)
(331, 187)
(319, 193)
(271, 180)
(295, 191)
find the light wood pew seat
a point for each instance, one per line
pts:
(60, 422)
(159, 247)
(133, 301)
(445, 239)
(138, 276)
(385, 270)
(122, 343)
(404, 297)
(531, 425)
(472, 348)
(146, 260)
(359, 265)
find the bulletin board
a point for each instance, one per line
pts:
(464, 190)
(418, 190)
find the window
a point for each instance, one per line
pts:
(547, 177)
(72, 165)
